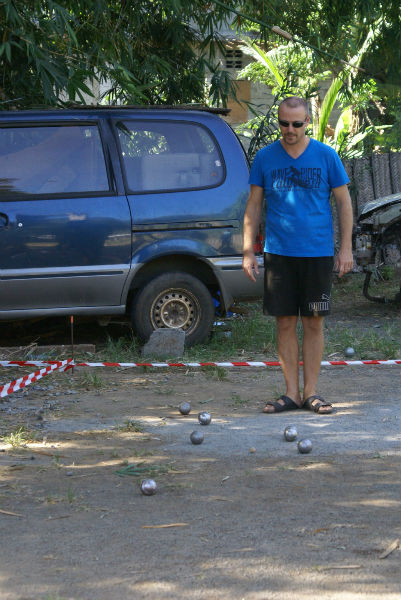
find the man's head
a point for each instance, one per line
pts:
(293, 117)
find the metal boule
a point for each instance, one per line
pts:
(148, 487)
(196, 437)
(184, 408)
(349, 351)
(290, 433)
(304, 446)
(204, 418)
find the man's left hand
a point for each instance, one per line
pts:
(344, 262)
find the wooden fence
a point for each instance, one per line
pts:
(373, 177)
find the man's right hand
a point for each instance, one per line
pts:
(251, 222)
(250, 265)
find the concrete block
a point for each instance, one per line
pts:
(165, 343)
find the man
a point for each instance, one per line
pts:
(296, 175)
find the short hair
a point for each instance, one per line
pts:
(294, 102)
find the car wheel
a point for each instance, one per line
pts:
(174, 300)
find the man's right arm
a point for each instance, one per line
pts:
(252, 216)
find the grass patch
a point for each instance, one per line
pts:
(386, 282)
(123, 349)
(142, 453)
(249, 334)
(91, 380)
(70, 495)
(368, 344)
(348, 289)
(237, 401)
(215, 372)
(19, 437)
(374, 345)
(164, 391)
(143, 470)
(252, 336)
(132, 426)
(56, 461)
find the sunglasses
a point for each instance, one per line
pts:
(296, 124)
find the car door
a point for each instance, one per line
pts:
(176, 185)
(65, 233)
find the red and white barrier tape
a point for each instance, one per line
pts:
(71, 363)
(51, 365)
(22, 382)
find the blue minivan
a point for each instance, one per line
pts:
(134, 211)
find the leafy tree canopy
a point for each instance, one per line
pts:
(150, 51)
(336, 28)
(326, 37)
(157, 51)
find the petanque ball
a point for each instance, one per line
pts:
(290, 433)
(196, 437)
(349, 352)
(204, 418)
(148, 487)
(304, 446)
(184, 408)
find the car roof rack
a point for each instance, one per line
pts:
(212, 109)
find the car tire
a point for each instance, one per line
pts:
(174, 300)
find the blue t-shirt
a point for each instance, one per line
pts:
(297, 190)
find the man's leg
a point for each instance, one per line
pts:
(288, 352)
(312, 352)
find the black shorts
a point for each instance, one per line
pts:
(297, 285)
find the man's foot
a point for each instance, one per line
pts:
(283, 403)
(318, 405)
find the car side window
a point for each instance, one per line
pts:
(169, 155)
(54, 159)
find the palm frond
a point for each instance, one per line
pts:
(338, 82)
(266, 58)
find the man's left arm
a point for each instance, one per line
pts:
(344, 261)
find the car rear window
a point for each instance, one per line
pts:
(51, 160)
(168, 155)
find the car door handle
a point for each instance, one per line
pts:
(4, 220)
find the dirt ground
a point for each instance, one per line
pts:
(248, 518)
